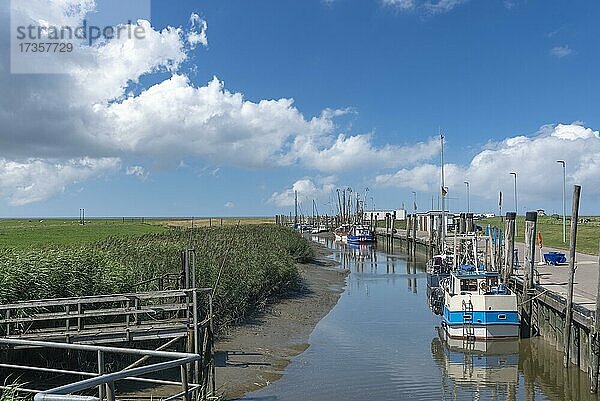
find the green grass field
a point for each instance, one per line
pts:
(588, 234)
(26, 233)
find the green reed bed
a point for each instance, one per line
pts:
(258, 262)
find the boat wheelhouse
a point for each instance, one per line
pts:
(359, 234)
(478, 306)
(438, 268)
(341, 233)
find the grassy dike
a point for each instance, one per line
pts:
(259, 263)
(588, 233)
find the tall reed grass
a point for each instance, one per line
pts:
(259, 262)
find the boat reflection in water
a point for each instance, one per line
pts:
(485, 370)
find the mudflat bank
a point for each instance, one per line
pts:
(253, 355)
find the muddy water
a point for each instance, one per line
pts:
(381, 342)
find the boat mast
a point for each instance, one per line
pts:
(443, 190)
(295, 207)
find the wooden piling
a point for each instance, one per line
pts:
(526, 304)
(470, 226)
(393, 228)
(572, 245)
(408, 230)
(509, 244)
(414, 235)
(594, 343)
(431, 244)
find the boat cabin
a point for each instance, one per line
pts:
(467, 280)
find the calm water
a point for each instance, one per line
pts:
(381, 342)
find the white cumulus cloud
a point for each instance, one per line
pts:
(198, 32)
(137, 171)
(358, 152)
(401, 4)
(533, 158)
(561, 51)
(428, 7)
(306, 189)
(33, 180)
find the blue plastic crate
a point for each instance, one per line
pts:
(554, 258)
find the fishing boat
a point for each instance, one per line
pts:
(360, 234)
(438, 269)
(319, 229)
(477, 306)
(341, 233)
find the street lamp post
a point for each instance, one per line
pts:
(564, 166)
(516, 203)
(468, 197)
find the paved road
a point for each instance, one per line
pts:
(555, 278)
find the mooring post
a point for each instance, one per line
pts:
(594, 343)
(415, 233)
(387, 230)
(572, 245)
(509, 245)
(526, 304)
(470, 226)
(393, 228)
(408, 224)
(431, 250)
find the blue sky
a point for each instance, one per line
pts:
(396, 71)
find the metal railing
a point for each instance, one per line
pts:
(105, 382)
(174, 315)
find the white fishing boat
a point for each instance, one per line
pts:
(360, 234)
(341, 233)
(320, 229)
(478, 306)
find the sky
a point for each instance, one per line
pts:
(227, 108)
